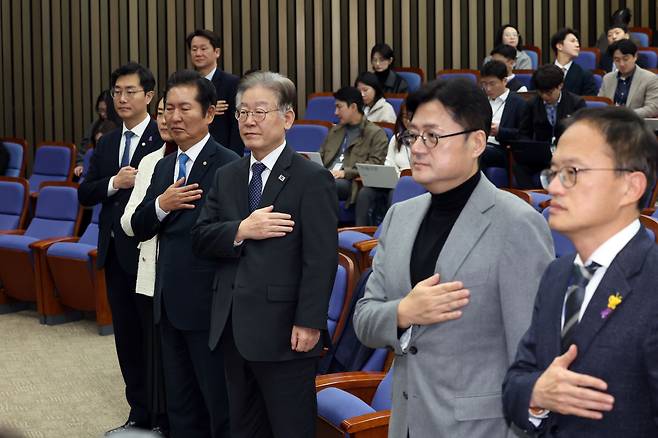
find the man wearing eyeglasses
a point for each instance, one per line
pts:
(110, 180)
(588, 364)
(454, 276)
(270, 221)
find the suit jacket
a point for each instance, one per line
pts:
(621, 349)
(104, 164)
(449, 382)
(535, 125)
(643, 95)
(224, 128)
(579, 81)
(606, 62)
(510, 121)
(183, 283)
(514, 84)
(266, 286)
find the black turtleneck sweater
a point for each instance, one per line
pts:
(435, 228)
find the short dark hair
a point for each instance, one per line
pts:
(383, 49)
(559, 36)
(505, 50)
(494, 68)
(211, 36)
(370, 79)
(547, 77)
(206, 94)
(146, 79)
(498, 38)
(633, 144)
(621, 26)
(464, 100)
(626, 47)
(621, 15)
(350, 95)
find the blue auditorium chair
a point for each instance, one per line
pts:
(534, 53)
(14, 196)
(413, 75)
(525, 77)
(588, 58)
(341, 297)
(465, 73)
(53, 161)
(641, 38)
(597, 101)
(651, 225)
(321, 106)
(598, 74)
(499, 176)
(396, 100)
(307, 135)
(388, 128)
(57, 215)
(647, 57)
(17, 148)
(561, 243)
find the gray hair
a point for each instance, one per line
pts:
(283, 88)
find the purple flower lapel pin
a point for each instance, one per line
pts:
(613, 301)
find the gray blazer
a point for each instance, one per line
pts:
(643, 96)
(451, 387)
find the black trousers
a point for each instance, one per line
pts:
(128, 335)
(371, 205)
(197, 404)
(343, 188)
(269, 399)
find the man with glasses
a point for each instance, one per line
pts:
(454, 276)
(588, 364)
(270, 221)
(110, 180)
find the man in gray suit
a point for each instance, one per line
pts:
(631, 85)
(454, 277)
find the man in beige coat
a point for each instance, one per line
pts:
(630, 85)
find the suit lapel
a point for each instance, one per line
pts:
(242, 187)
(635, 85)
(558, 291)
(145, 144)
(203, 162)
(278, 178)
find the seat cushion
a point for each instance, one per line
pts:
(336, 405)
(72, 250)
(16, 242)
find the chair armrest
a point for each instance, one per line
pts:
(365, 245)
(375, 420)
(93, 253)
(349, 380)
(365, 230)
(648, 211)
(14, 232)
(40, 245)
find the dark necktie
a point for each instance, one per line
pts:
(574, 300)
(256, 185)
(125, 158)
(182, 160)
(551, 113)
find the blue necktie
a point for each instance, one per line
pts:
(125, 158)
(255, 185)
(182, 161)
(551, 114)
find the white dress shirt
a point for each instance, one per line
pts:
(565, 68)
(269, 161)
(138, 131)
(211, 74)
(497, 109)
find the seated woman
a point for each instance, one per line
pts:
(381, 58)
(510, 35)
(376, 108)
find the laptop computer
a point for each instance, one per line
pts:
(313, 156)
(378, 176)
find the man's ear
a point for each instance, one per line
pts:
(289, 118)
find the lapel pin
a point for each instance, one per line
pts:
(613, 301)
(150, 138)
(205, 162)
(282, 178)
(143, 144)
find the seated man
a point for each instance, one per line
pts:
(586, 367)
(507, 55)
(630, 85)
(616, 32)
(507, 109)
(566, 47)
(542, 120)
(353, 140)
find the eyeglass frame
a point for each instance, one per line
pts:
(422, 136)
(253, 114)
(546, 180)
(128, 93)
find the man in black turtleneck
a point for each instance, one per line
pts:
(455, 275)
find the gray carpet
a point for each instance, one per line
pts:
(58, 381)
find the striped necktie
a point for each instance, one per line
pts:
(574, 300)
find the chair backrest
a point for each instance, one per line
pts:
(396, 100)
(466, 73)
(651, 225)
(307, 135)
(534, 53)
(588, 58)
(406, 188)
(387, 127)
(640, 29)
(90, 236)
(647, 57)
(57, 212)
(53, 161)
(383, 397)
(414, 76)
(561, 243)
(14, 195)
(341, 296)
(17, 148)
(598, 74)
(498, 176)
(597, 101)
(641, 38)
(321, 106)
(524, 76)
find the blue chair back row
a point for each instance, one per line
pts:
(17, 149)
(13, 202)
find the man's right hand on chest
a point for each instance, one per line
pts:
(264, 224)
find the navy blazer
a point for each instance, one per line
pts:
(580, 82)
(224, 128)
(183, 281)
(535, 125)
(621, 349)
(515, 108)
(104, 164)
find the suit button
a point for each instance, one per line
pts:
(413, 350)
(404, 394)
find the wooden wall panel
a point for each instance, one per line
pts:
(58, 54)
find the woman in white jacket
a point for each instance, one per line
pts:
(148, 253)
(376, 108)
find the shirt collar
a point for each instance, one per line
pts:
(211, 74)
(193, 152)
(510, 77)
(270, 159)
(139, 129)
(502, 98)
(566, 67)
(605, 254)
(627, 78)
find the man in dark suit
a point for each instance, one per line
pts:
(110, 180)
(196, 390)
(588, 364)
(204, 47)
(270, 221)
(566, 47)
(543, 120)
(507, 109)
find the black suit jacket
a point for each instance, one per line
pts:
(535, 125)
(606, 62)
(224, 128)
(267, 286)
(580, 82)
(103, 165)
(183, 282)
(514, 84)
(621, 349)
(515, 108)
